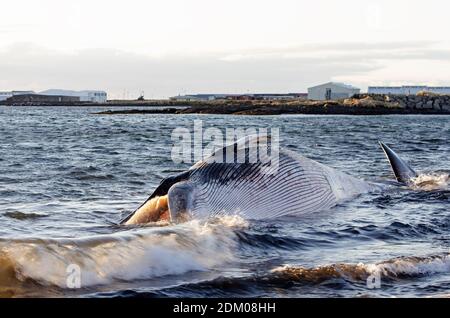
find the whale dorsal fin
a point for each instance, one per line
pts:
(403, 172)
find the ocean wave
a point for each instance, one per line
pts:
(286, 277)
(140, 253)
(397, 268)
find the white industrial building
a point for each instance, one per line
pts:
(85, 96)
(408, 90)
(198, 97)
(332, 90)
(6, 95)
(248, 96)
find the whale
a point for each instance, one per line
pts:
(240, 179)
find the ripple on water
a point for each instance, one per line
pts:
(65, 181)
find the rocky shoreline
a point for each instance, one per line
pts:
(138, 111)
(362, 104)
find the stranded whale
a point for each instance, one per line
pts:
(243, 180)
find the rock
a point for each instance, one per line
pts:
(402, 104)
(446, 107)
(428, 105)
(425, 93)
(419, 105)
(437, 104)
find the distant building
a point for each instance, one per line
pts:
(280, 96)
(184, 98)
(22, 92)
(240, 97)
(6, 95)
(332, 90)
(84, 96)
(39, 98)
(408, 90)
(210, 97)
(198, 97)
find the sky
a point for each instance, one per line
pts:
(170, 47)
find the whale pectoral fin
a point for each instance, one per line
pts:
(403, 172)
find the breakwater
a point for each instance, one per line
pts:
(361, 104)
(427, 102)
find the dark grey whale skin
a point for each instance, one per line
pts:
(294, 185)
(403, 172)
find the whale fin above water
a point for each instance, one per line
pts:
(403, 172)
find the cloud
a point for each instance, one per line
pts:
(348, 51)
(14, 28)
(290, 69)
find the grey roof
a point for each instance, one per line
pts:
(411, 86)
(67, 92)
(348, 86)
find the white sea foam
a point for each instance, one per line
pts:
(142, 253)
(411, 266)
(431, 181)
(233, 221)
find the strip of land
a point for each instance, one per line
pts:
(358, 105)
(361, 104)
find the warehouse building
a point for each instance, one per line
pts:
(332, 90)
(277, 96)
(92, 96)
(84, 96)
(186, 98)
(5, 95)
(408, 90)
(250, 96)
(40, 99)
(198, 97)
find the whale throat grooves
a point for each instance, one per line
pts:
(288, 184)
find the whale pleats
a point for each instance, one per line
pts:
(261, 190)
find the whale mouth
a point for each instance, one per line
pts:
(154, 210)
